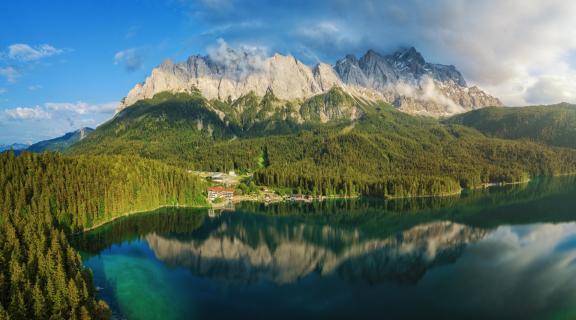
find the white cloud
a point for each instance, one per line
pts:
(51, 119)
(3, 90)
(25, 52)
(245, 58)
(82, 107)
(26, 113)
(131, 58)
(551, 88)
(504, 46)
(34, 87)
(431, 93)
(10, 73)
(427, 91)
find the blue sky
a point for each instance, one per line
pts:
(65, 64)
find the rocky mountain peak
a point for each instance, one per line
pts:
(403, 78)
(410, 55)
(371, 53)
(352, 58)
(166, 64)
(348, 69)
(84, 132)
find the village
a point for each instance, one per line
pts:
(229, 188)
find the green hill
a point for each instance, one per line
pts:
(553, 125)
(329, 144)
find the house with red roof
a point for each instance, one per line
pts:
(220, 192)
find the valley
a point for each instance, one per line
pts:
(235, 179)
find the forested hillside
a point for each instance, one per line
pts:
(320, 146)
(46, 197)
(552, 125)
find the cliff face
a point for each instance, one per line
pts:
(413, 85)
(403, 79)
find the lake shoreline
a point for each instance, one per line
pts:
(103, 223)
(280, 199)
(169, 258)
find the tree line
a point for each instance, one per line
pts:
(44, 199)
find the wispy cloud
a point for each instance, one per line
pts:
(34, 87)
(3, 90)
(82, 107)
(25, 52)
(10, 73)
(21, 56)
(131, 59)
(227, 27)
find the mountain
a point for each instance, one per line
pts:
(553, 125)
(413, 85)
(14, 146)
(60, 143)
(330, 143)
(403, 79)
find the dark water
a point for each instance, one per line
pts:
(504, 253)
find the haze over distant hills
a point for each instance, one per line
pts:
(59, 144)
(14, 146)
(404, 79)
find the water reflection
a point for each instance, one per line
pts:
(514, 270)
(289, 257)
(499, 253)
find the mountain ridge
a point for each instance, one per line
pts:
(60, 143)
(313, 147)
(403, 79)
(552, 124)
(14, 147)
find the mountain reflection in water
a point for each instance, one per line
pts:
(289, 256)
(505, 252)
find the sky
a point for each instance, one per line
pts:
(65, 64)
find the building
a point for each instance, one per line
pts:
(298, 197)
(301, 197)
(217, 177)
(220, 192)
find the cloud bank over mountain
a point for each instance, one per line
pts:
(512, 48)
(523, 52)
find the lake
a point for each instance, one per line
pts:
(504, 252)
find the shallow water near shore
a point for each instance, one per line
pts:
(502, 252)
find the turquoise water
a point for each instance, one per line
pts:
(507, 252)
